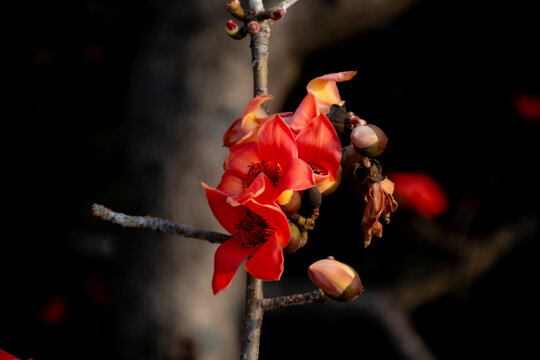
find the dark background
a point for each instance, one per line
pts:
(442, 80)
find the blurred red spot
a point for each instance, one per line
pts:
(5, 356)
(92, 52)
(420, 192)
(528, 106)
(54, 311)
(97, 291)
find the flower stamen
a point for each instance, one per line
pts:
(252, 230)
(271, 169)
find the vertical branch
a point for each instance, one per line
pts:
(253, 311)
(259, 58)
(252, 320)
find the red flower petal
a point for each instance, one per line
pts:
(325, 90)
(6, 356)
(319, 145)
(229, 256)
(305, 112)
(226, 214)
(231, 184)
(254, 113)
(267, 263)
(298, 175)
(233, 133)
(276, 142)
(241, 156)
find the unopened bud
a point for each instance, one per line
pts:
(292, 205)
(296, 241)
(253, 27)
(338, 280)
(369, 140)
(231, 28)
(277, 14)
(235, 8)
(313, 197)
(235, 31)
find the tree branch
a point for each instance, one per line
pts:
(157, 224)
(285, 4)
(252, 319)
(314, 297)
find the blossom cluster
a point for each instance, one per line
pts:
(271, 158)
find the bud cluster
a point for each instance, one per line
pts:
(252, 22)
(366, 142)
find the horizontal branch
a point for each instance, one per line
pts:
(157, 224)
(314, 297)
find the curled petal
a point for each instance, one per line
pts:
(254, 114)
(229, 256)
(233, 186)
(325, 90)
(267, 263)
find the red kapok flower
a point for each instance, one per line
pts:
(266, 168)
(258, 233)
(319, 146)
(322, 93)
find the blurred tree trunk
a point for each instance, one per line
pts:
(189, 82)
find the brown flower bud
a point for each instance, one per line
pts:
(292, 206)
(277, 14)
(296, 241)
(338, 280)
(369, 140)
(313, 197)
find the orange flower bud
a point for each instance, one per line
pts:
(338, 280)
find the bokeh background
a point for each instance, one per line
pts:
(124, 103)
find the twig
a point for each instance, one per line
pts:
(314, 297)
(386, 312)
(157, 224)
